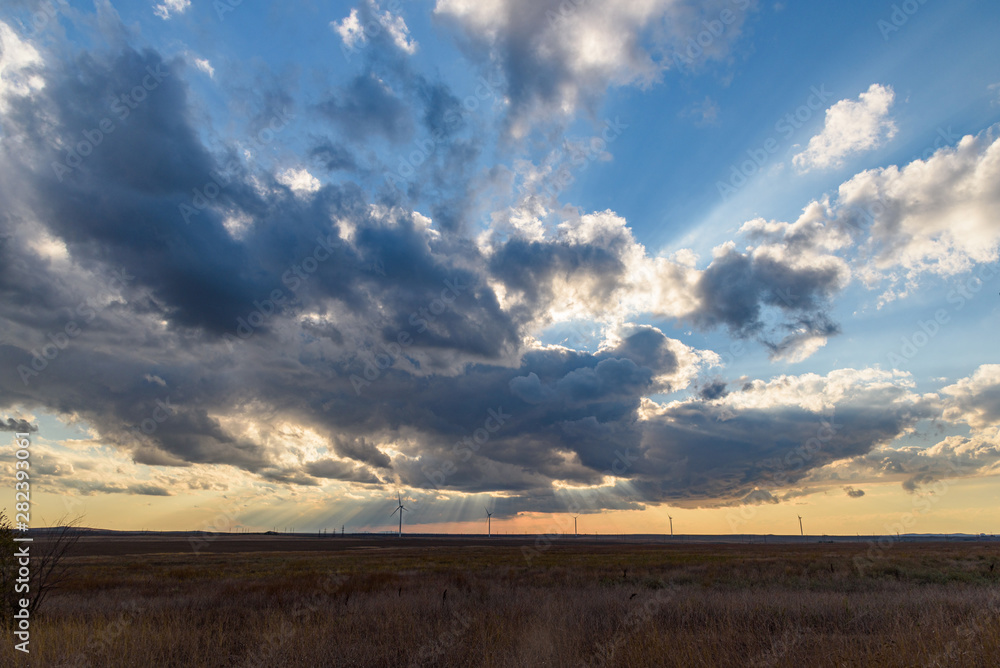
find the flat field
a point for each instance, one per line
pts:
(504, 602)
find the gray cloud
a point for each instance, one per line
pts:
(735, 287)
(367, 107)
(22, 426)
(342, 312)
(558, 56)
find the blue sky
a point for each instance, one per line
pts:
(698, 233)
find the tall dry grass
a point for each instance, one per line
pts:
(487, 606)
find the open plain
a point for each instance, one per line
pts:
(254, 600)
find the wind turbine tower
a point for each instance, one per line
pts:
(399, 510)
(574, 525)
(801, 532)
(489, 531)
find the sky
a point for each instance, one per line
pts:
(270, 265)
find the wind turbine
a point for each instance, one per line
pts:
(399, 510)
(671, 525)
(801, 532)
(488, 516)
(574, 525)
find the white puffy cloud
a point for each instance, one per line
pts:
(976, 400)
(935, 216)
(851, 127)
(972, 401)
(592, 268)
(896, 224)
(350, 30)
(357, 27)
(205, 66)
(171, 7)
(817, 393)
(299, 180)
(18, 59)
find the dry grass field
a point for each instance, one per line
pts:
(408, 602)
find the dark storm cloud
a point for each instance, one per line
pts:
(647, 346)
(759, 497)
(20, 426)
(710, 452)
(332, 156)
(916, 482)
(531, 266)
(362, 450)
(118, 204)
(324, 331)
(367, 107)
(735, 286)
(487, 429)
(167, 427)
(342, 313)
(148, 490)
(288, 477)
(338, 470)
(88, 488)
(917, 468)
(713, 390)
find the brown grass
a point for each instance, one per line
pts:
(485, 605)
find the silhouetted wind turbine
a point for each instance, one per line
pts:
(671, 525)
(399, 510)
(488, 516)
(574, 525)
(801, 532)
